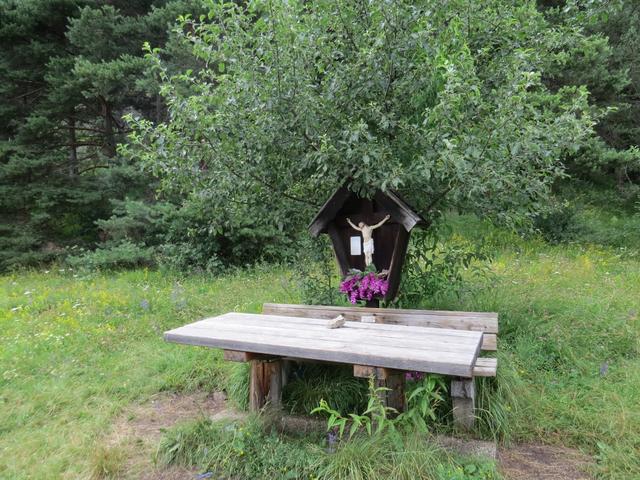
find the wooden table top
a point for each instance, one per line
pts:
(423, 349)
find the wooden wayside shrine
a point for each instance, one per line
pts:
(391, 239)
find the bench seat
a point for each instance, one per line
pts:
(485, 367)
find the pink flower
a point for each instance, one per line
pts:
(359, 286)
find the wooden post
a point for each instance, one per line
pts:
(394, 397)
(463, 394)
(265, 384)
(259, 382)
(287, 366)
(388, 378)
(275, 384)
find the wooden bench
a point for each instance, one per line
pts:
(462, 389)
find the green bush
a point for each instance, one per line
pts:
(558, 223)
(439, 265)
(114, 255)
(240, 450)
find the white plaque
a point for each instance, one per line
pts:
(356, 245)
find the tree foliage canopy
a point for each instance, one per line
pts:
(443, 101)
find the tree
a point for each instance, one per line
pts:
(70, 69)
(604, 59)
(441, 100)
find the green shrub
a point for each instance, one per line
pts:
(439, 265)
(558, 223)
(114, 255)
(241, 450)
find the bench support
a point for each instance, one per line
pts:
(388, 378)
(265, 384)
(463, 394)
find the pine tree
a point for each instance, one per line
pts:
(70, 70)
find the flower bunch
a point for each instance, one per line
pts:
(414, 376)
(364, 286)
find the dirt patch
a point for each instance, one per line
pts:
(543, 462)
(138, 430)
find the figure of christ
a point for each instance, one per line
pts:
(367, 237)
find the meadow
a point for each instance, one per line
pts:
(79, 347)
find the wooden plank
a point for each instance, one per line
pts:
(397, 260)
(477, 321)
(275, 384)
(399, 311)
(443, 342)
(293, 322)
(328, 211)
(259, 382)
(375, 334)
(418, 338)
(485, 367)
(463, 394)
(334, 349)
(490, 342)
(236, 356)
(365, 371)
(459, 364)
(339, 249)
(399, 209)
(394, 396)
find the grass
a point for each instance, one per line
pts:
(78, 348)
(249, 449)
(337, 386)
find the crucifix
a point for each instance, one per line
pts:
(367, 237)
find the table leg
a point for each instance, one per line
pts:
(265, 384)
(275, 384)
(463, 394)
(394, 397)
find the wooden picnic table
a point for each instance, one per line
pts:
(382, 350)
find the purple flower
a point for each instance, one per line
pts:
(359, 286)
(414, 376)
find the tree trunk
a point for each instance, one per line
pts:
(73, 149)
(158, 108)
(109, 148)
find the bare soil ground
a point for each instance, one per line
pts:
(543, 462)
(139, 430)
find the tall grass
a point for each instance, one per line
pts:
(248, 450)
(335, 384)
